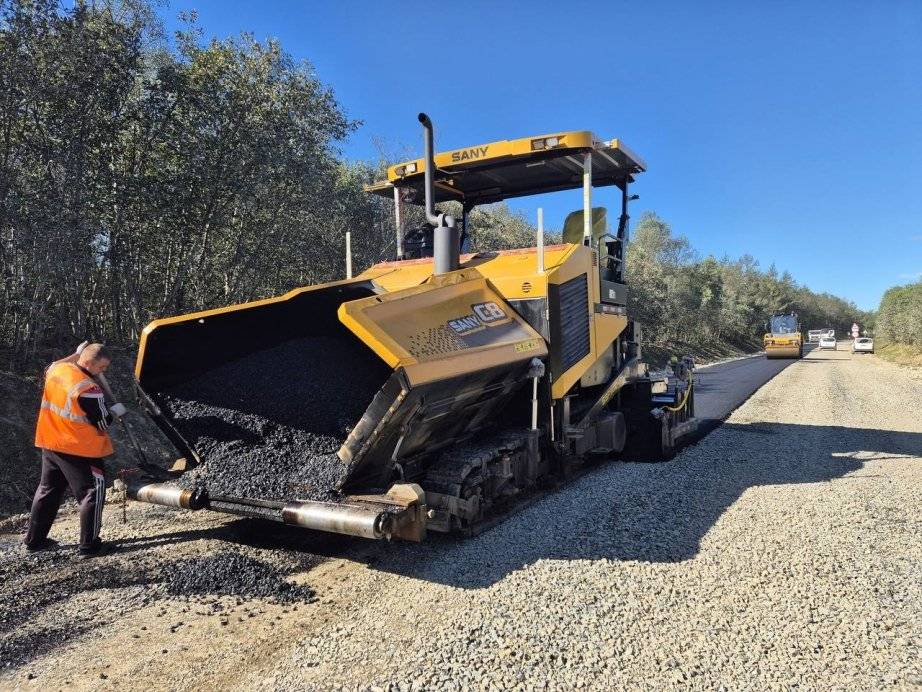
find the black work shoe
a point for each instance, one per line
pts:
(41, 546)
(98, 550)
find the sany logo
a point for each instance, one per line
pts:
(465, 325)
(483, 314)
(468, 154)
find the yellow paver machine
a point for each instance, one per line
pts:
(501, 372)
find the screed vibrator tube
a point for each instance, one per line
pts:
(344, 519)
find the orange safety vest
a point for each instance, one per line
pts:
(62, 425)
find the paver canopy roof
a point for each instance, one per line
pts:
(492, 172)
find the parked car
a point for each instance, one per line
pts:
(863, 344)
(827, 342)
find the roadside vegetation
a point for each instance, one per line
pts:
(712, 307)
(898, 331)
(143, 176)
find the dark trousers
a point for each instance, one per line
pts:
(86, 479)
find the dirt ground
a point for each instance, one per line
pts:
(783, 550)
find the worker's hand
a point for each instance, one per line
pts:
(118, 410)
(81, 347)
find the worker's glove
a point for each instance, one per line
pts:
(118, 410)
(81, 347)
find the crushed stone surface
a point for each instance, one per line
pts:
(269, 426)
(782, 551)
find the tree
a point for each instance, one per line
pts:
(900, 315)
(138, 181)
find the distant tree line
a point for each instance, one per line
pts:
(141, 178)
(899, 318)
(684, 300)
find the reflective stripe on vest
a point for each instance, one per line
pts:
(64, 412)
(67, 411)
(63, 425)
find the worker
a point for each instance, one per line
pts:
(72, 434)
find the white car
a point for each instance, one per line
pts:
(827, 342)
(863, 345)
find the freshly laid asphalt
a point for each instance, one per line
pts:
(721, 388)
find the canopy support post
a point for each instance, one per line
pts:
(398, 221)
(587, 198)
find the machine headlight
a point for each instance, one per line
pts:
(545, 143)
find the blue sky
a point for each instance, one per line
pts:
(791, 131)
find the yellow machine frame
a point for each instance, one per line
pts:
(454, 338)
(495, 171)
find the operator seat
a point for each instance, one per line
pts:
(610, 248)
(573, 226)
(603, 239)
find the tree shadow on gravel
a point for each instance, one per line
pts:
(648, 512)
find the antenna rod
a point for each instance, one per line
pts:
(348, 255)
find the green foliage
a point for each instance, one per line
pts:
(686, 301)
(900, 316)
(138, 181)
(497, 227)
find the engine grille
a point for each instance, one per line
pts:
(570, 329)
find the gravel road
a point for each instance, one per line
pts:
(782, 550)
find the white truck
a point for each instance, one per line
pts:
(814, 335)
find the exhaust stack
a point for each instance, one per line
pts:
(447, 251)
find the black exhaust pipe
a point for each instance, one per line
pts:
(447, 250)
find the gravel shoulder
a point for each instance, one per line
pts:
(781, 550)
